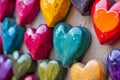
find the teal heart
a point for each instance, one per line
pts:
(70, 43)
(23, 65)
(12, 36)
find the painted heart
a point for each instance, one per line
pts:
(27, 10)
(12, 36)
(22, 65)
(31, 77)
(7, 8)
(6, 72)
(54, 11)
(70, 43)
(92, 71)
(106, 21)
(39, 41)
(51, 70)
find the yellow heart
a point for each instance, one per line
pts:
(106, 21)
(54, 10)
(92, 71)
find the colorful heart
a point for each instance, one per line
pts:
(70, 43)
(39, 42)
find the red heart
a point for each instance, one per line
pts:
(27, 10)
(39, 42)
(106, 21)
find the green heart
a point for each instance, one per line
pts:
(51, 70)
(70, 43)
(22, 65)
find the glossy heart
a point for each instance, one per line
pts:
(6, 72)
(27, 10)
(54, 11)
(31, 77)
(39, 41)
(12, 36)
(6, 8)
(70, 43)
(106, 21)
(22, 65)
(92, 71)
(51, 70)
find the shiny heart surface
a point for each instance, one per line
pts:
(7, 8)
(54, 11)
(70, 43)
(106, 21)
(22, 65)
(27, 10)
(6, 72)
(31, 77)
(12, 36)
(51, 70)
(92, 71)
(39, 41)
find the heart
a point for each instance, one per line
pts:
(7, 8)
(54, 11)
(70, 43)
(31, 77)
(27, 10)
(39, 41)
(22, 65)
(6, 72)
(92, 71)
(106, 21)
(51, 70)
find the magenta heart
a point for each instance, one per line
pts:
(31, 77)
(39, 42)
(27, 10)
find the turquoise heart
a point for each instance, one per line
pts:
(12, 36)
(70, 43)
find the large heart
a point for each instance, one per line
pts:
(51, 70)
(6, 8)
(106, 21)
(22, 65)
(70, 43)
(27, 10)
(12, 36)
(6, 72)
(54, 11)
(39, 41)
(92, 71)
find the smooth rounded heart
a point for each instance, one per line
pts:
(31, 77)
(51, 70)
(54, 11)
(92, 71)
(70, 43)
(39, 41)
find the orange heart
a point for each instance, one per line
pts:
(92, 71)
(106, 21)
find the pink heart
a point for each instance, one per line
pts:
(39, 42)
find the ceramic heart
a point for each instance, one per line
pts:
(6, 72)
(31, 77)
(6, 8)
(92, 71)
(51, 70)
(27, 10)
(106, 21)
(70, 43)
(54, 11)
(39, 41)
(22, 65)
(12, 36)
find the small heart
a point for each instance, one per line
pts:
(6, 72)
(70, 43)
(39, 41)
(54, 11)
(22, 65)
(92, 71)
(12, 36)
(51, 70)
(31, 77)
(27, 10)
